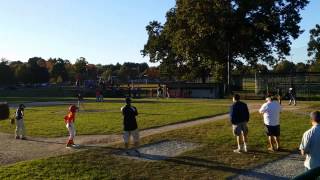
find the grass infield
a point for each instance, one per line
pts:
(106, 118)
(214, 160)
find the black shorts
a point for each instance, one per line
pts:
(273, 130)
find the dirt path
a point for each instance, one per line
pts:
(12, 151)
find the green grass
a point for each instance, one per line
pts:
(106, 118)
(214, 160)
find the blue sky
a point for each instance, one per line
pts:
(103, 31)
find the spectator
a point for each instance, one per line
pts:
(271, 117)
(130, 126)
(279, 93)
(80, 99)
(129, 90)
(292, 96)
(98, 95)
(310, 144)
(159, 91)
(239, 116)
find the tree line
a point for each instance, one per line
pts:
(57, 70)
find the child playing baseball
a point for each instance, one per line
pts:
(20, 131)
(69, 120)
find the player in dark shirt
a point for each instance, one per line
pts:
(130, 126)
(292, 96)
(80, 100)
(239, 117)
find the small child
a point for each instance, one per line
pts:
(20, 130)
(69, 120)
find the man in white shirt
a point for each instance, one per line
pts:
(271, 117)
(310, 144)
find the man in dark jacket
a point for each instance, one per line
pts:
(130, 126)
(239, 116)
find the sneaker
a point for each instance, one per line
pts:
(237, 150)
(137, 153)
(245, 149)
(127, 152)
(17, 137)
(270, 149)
(75, 145)
(23, 138)
(69, 146)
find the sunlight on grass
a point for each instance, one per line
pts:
(214, 159)
(106, 118)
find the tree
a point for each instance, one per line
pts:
(39, 71)
(59, 71)
(314, 43)
(158, 48)
(302, 67)
(92, 72)
(106, 75)
(224, 31)
(285, 67)
(80, 66)
(22, 73)
(152, 72)
(6, 75)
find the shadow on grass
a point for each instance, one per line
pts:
(203, 163)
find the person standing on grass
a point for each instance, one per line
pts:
(130, 126)
(80, 99)
(98, 95)
(159, 91)
(310, 144)
(20, 130)
(69, 119)
(239, 116)
(292, 96)
(271, 117)
(279, 93)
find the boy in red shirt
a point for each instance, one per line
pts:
(98, 95)
(69, 120)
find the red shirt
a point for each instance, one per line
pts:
(70, 117)
(98, 93)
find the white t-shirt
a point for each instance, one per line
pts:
(311, 145)
(271, 113)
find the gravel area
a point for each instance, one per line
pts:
(161, 150)
(285, 168)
